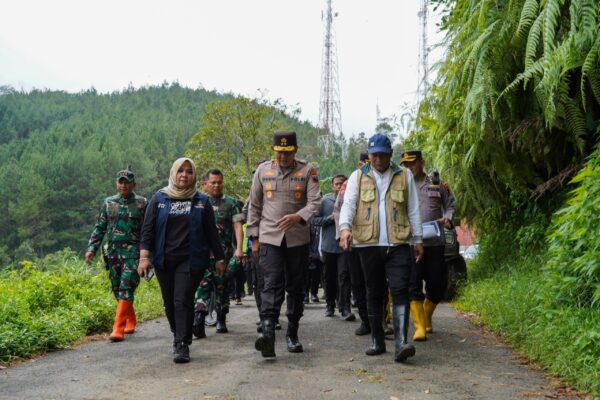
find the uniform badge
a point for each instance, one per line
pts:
(270, 194)
(268, 186)
(314, 175)
(269, 173)
(297, 186)
(297, 195)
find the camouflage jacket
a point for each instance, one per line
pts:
(227, 212)
(121, 220)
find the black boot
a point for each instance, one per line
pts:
(400, 314)
(348, 315)
(378, 346)
(329, 311)
(266, 342)
(182, 353)
(198, 327)
(221, 325)
(291, 337)
(364, 328)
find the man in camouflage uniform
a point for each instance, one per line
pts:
(229, 220)
(121, 217)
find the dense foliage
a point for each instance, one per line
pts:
(515, 107)
(58, 299)
(513, 115)
(573, 266)
(59, 154)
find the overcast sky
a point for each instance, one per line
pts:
(237, 46)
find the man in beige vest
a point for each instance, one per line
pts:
(379, 217)
(284, 196)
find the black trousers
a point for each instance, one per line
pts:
(249, 276)
(236, 284)
(258, 280)
(379, 263)
(337, 280)
(313, 277)
(433, 271)
(284, 270)
(178, 285)
(357, 282)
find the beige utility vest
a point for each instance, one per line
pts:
(365, 226)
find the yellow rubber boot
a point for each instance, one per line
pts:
(429, 308)
(418, 315)
(118, 332)
(130, 321)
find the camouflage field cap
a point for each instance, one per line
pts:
(284, 141)
(127, 174)
(412, 155)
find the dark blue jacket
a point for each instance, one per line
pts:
(199, 245)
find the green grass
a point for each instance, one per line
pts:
(55, 301)
(517, 304)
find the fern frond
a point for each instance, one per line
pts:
(594, 79)
(551, 17)
(584, 14)
(475, 50)
(482, 14)
(535, 70)
(528, 14)
(533, 41)
(588, 65)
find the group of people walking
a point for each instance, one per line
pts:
(380, 236)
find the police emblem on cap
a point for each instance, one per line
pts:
(284, 141)
(412, 155)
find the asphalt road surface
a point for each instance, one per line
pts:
(458, 361)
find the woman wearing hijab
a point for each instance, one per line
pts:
(179, 237)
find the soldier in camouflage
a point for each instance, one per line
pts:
(229, 220)
(120, 219)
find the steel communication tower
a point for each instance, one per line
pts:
(330, 115)
(423, 72)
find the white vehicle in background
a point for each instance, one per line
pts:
(470, 252)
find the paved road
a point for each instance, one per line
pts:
(459, 361)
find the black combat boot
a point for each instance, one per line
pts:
(221, 325)
(401, 314)
(365, 327)
(266, 342)
(182, 353)
(198, 327)
(378, 346)
(348, 315)
(291, 337)
(330, 310)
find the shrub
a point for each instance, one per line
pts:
(56, 300)
(573, 267)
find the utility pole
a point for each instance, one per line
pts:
(330, 115)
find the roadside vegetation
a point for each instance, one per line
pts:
(50, 303)
(513, 122)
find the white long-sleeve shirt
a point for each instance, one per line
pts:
(382, 181)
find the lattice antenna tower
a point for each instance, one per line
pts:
(330, 114)
(423, 71)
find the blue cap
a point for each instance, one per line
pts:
(379, 143)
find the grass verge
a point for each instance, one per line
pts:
(55, 301)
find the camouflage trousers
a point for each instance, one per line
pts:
(211, 282)
(123, 277)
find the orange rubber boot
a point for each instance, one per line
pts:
(131, 321)
(118, 332)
